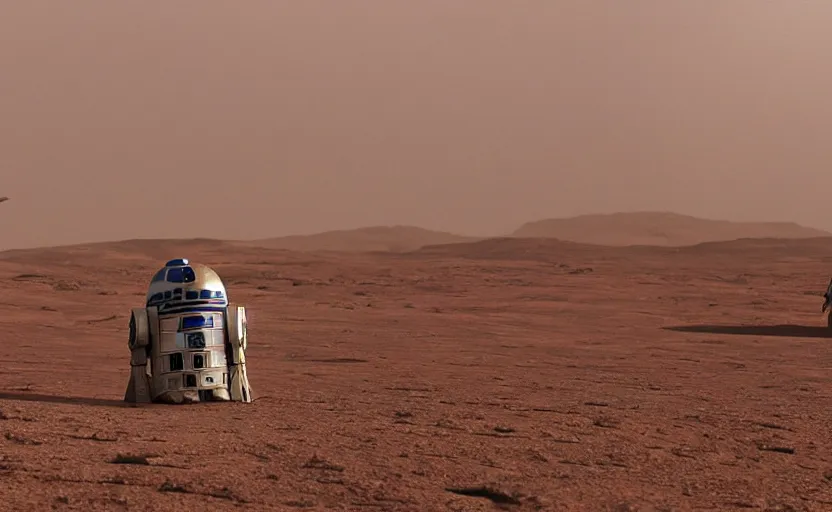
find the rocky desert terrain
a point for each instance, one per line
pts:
(514, 373)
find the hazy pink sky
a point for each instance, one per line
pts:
(264, 117)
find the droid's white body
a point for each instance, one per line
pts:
(188, 343)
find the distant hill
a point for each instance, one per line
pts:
(506, 248)
(658, 229)
(370, 239)
(158, 250)
(559, 251)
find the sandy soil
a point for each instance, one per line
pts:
(528, 375)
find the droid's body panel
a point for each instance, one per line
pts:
(195, 341)
(191, 355)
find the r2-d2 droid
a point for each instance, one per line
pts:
(188, 344)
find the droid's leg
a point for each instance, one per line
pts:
(139, 387)
(237, 338)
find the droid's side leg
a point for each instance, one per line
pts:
(139, 388)
(239, 387)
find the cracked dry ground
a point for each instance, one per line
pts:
(524, 375)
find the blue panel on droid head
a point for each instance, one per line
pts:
(204, 294)
(181, 275)
(179, 262)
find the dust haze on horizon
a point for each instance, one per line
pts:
(262, 118)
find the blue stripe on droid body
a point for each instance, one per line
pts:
(196, 309)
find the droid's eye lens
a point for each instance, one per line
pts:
(175, 275)
(188, 275)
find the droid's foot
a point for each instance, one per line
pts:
(217, 395)
(177, 397)
(138, 387)
(193, 396)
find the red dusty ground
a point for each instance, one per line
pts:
(514, 374)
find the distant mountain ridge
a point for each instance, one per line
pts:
(658, 229)
(663, 229)
(370, 239)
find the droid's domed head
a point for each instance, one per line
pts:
(181, 286)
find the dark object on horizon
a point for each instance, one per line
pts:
(2, 199)
(785, 331)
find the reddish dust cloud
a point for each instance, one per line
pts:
(268, 118)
